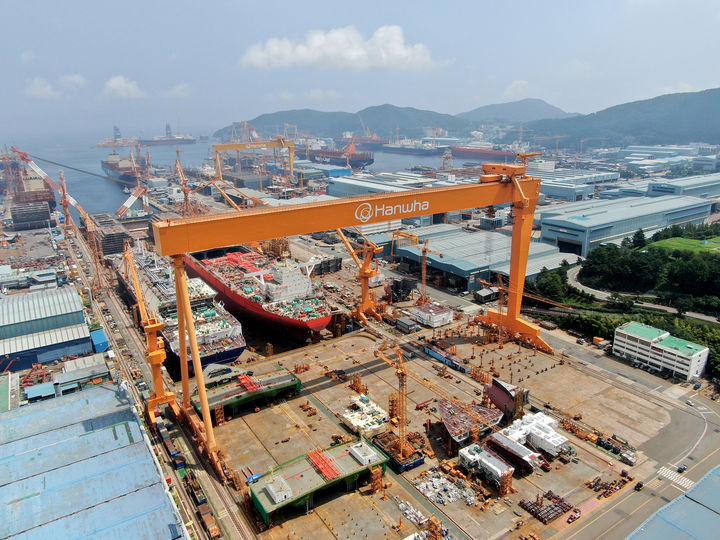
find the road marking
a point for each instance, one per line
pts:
(676, 478)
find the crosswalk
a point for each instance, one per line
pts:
(676, 478)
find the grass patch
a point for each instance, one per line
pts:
(689, 244)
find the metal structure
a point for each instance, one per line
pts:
(423, 273)
(280, 142)
(99, 279)
(500, 183)
(366, 271)
(154, 345)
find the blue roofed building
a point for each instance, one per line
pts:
(694, 515)
(81, 466)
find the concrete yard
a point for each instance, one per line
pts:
(254, 440)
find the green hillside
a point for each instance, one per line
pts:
(667, 119)
(525, 110)
(382, 119)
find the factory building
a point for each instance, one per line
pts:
(572, 176)
(43, 326)
(81, 466)
(705, 186)
(654, 152)
(581, 227)
(432, 314)
(468, 256)
(484, 462)
(538, 431)
(657, 349)
(566, 191)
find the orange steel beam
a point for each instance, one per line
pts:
(174, 237)
(182, 333)
(501, 184)
(183, 303)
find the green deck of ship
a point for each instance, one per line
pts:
(305, 480)
(234, 394)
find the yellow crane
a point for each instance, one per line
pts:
(423, 273)
(154, 344)
(366, 271)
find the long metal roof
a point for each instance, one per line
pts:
(37, 340)
(17, 308)
(694, 515)
(80, 466)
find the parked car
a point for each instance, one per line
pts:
(682, 468)
(690, 402)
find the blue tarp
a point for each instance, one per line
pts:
(99, 340)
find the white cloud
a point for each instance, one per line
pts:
(341, 48)
(516, 90)
(179, 91)
(41, 89)
(677, 88)
(26, 57)
(123, 87)
(73, 81)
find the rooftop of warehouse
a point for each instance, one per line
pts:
(689, 181)
(570, 174)
(621, 210)
(680, 345)
(642, 330)
(695, 514)
(22, 307)
(80, 466)
(45, 338)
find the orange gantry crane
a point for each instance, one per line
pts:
(366, 271)
(154, 345)
(423, 273)
(500, 184)
(99, 280)
(279, 142)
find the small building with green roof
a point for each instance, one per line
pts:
(656, 349)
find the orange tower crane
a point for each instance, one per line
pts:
(154, 345)
(366, 271)
(423, 273)
(140, 192)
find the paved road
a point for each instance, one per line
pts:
(604, 295)
(692, 438)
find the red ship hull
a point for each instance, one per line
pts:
(253, 309)
(479, 152)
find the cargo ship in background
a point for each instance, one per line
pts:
(117, 140)
(355, 160)
(484, 153)
(280, 293)
(219, 334)
(367, 143)
(414, 148)
(120, 169)
(168, 139)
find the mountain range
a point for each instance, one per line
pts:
(667, 119)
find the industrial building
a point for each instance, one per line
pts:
(705, 186)
(467, 255)
(566, 191)
(572, 176)
(695, 514)
(484, 462)
(43, 326)
(537, 430)
(365, 417)
(432, 314)
(657, 349)
(295, 482)
(581, 227)
(81, 466)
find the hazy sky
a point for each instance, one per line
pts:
(84, 66)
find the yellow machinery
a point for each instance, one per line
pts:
(366, 271)
(154, 346)
(500, 184)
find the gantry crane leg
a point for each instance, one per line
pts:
(181, 338)
(183, 304)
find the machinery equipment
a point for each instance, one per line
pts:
(423, 273)
(366, 271)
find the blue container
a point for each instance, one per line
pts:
(99, 340)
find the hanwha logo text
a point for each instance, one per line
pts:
(364, 212)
